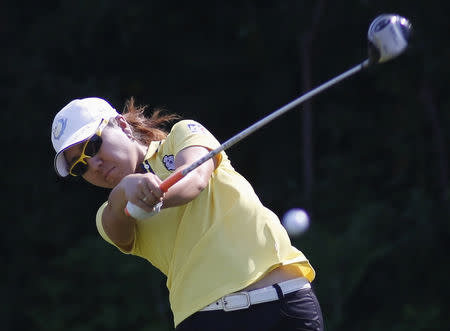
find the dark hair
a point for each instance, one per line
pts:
(147, 129)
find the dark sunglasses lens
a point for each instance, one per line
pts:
(79, 169)
(93, 145)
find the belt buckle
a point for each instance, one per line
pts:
(245, 306)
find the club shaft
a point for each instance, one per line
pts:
(165, 185)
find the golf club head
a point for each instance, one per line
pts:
(388, 37)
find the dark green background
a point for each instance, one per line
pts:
(373, 173)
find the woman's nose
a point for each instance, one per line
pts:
(94, 163)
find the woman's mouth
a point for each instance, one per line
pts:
(108, 175)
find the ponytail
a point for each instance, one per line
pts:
(146, 129)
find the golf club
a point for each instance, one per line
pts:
(388, 37)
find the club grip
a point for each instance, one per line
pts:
(171, 180)
(140, 214)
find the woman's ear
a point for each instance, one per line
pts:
(123, 124)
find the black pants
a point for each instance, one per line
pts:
(299, 310)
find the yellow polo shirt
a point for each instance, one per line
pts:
(220, 242)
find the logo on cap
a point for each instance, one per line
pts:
(59, 128)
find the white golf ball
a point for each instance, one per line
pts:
(295, 221)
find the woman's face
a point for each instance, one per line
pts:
(117, 157)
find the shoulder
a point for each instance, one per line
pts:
(188, 126)
(187, 133)
(188, 129)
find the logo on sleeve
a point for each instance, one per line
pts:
(169, 162)
(196, 128)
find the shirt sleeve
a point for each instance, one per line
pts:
(98, 221)
(188, 133)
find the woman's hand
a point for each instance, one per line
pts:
(142, 190)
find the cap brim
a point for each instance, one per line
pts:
(60, 164)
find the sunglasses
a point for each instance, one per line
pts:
(89, 150)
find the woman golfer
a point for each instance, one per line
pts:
(229, 262)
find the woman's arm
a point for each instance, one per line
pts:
(194, 182)
(120, 228)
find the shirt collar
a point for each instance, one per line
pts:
(152, 149)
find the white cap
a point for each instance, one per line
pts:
(77, 122)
